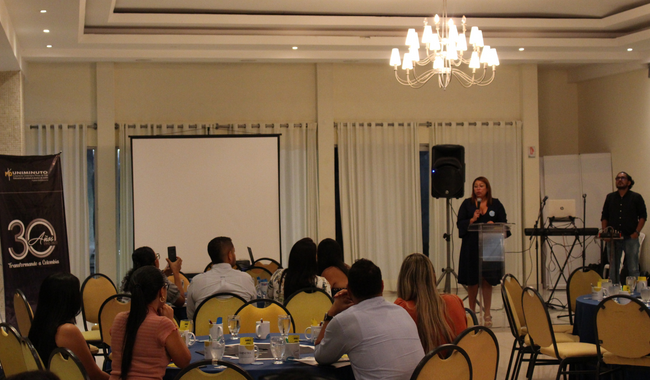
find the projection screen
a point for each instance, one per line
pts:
(188, 190)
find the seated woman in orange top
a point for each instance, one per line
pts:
(439, 318)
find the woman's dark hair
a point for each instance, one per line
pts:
(330, 254)
(145, 283)
(302, 270)
(143, 256)
(59, 302)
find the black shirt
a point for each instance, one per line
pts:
(623, 213)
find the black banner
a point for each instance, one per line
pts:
(33, 233)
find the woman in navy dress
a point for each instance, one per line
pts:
(480, 208)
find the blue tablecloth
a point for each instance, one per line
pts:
(267, 366)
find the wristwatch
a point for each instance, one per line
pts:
(327, 317)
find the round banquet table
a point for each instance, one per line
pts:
(584, 325)
(267, 367)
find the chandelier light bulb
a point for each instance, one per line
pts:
(485, 54)
(473, 35)
(436, 19)
(427, 35)
(407, 63)
(452, 53)
(474, 61)
(461, 42)
(438, 63)
(394, 58)
(414, 54)
(412, 38)
(435, 45)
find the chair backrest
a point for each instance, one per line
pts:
(114, 305)
(508, 307)
(455, 365)
(232, 371)
(217, 305)
(65, 364)
(184, 281)
(260, 272)
(250, 313)
(306, 305)
(579, 284)
(619, 327)
(16, 354)
(95, 289)
(268, 263)
(514, 291)
(472, 320)
(24, 312)
(482, 347)
(537, 319)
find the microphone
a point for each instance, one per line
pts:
(584, 196)
(479, 204)
(545, 199)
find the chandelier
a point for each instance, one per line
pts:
(443, 56)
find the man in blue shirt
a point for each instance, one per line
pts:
(624, 211)
(379, 337)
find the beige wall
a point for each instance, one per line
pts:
(558, 114)
(11, 113)
(60, 93)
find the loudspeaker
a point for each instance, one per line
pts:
(447, 171)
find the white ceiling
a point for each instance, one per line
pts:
(566, 32)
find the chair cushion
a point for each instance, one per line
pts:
(571, 350)
(92, 336)
(610, 358)
(563, 329)
(559, 338)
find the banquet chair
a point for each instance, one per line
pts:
(95, 289)
(308, 305)
(16, 353)
(260, 272)
(619, 328)
(470, 315)
(24, 312)
(540, 331)
(217, 305)
(249, 313)
(114, 305)
(65, 364)
(482, 347)
(456, 364)
(184, 281)
(579, 284)
(194, 371)
(267, 263)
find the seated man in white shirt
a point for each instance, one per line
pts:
(221, 278)
(379, 337)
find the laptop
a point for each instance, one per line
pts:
(561, 209)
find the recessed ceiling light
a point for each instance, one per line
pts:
(46, 30)
(295, 48)
(43, 11)
(49, 46)
(521, 49)
(629, 49)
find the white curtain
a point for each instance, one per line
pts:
(492, 150)
(125, 218)
(298, 178)
(71, 141)
(380, 193)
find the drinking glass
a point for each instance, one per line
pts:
(233, 326)
(277, 348)
(218, 348)
(640, 286)
(645, 295)
(284, 324)
(631, 282)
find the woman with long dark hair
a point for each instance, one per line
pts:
(331, 265)
(439, 318)
(302, 272)
(145, 338)
(146, 256)
(479, 208)
(59, 302)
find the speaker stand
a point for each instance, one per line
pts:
(447, 271)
